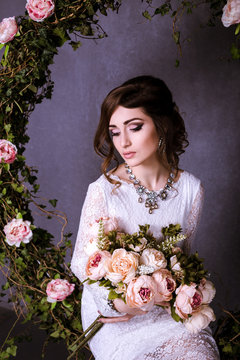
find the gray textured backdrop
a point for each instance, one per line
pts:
(205, 87)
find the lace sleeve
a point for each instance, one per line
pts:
(193, 219)
(94, 207)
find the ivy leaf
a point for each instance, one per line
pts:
(75, 44)
(112, 295)
(176, 37)
(55, 334)
(53, 305)
(53, 202)
(19, 215)
(147, 15)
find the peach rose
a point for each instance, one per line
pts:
(8, 151)
(141, 293)
(208, 291)
(39, 10)
(188, 300)
(122, 266)
(154, 258)
(8, 29)
(200, 319)
(139, 247)
(18, 231)
(165, 285)
(231, 13)
(95, 269)
(58, 290)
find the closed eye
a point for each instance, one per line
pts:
(137, 128)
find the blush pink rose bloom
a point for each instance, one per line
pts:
(154, 258)
(8, 151)
(18, 231)
(165, 286)
(8, 29)
(141, 293)
(200, 319)
(207, 290)
(95, 269)
(231, 13)
(188, 300)
(39, 10)
(122, 266)
(58, 290)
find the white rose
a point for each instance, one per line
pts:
(200, 319)
(91, 247)
(154, 258)
(208, 291)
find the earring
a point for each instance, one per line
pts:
(160, 142)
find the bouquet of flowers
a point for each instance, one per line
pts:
(144, 271)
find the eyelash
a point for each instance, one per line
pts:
(137, 128)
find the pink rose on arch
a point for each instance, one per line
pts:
(18, 231)
(8, 29)
(188, 300)
(39, 10)
(8, 151)
(165, 286)
(141, 293)
(207, 290)
(231, 13)
(95, 269)
(58, 290)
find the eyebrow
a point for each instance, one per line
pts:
(127, 122)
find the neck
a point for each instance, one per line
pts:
(153, 176)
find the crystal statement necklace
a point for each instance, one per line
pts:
(151, 200)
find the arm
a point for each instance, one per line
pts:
(193, 219)
(94, 207)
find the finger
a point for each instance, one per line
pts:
(116, 319)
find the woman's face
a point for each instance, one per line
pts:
(134, 136)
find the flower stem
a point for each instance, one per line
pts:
(86, 336)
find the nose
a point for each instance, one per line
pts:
(125, 140)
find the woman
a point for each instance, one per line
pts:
(140, 121)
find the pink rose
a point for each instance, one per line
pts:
(95, 269)
(39, 10)
(91, 247)
(188, 300)
(231, 13)
(154, 258)
(8, 151)
(122, 266)
(8, 29)
(200, 319)
(18, 231)
(165, 286)
(58, 290)
(141, 293)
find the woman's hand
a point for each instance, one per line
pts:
(120, 306)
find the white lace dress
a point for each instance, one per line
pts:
(154, 335)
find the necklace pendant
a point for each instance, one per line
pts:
(163, 195)
(150, 211)
(140, 199)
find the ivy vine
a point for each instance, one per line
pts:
(25, 80)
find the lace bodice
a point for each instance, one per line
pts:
(183, 206)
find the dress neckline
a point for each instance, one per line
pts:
(132, 185)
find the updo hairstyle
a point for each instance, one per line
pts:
(155, 99)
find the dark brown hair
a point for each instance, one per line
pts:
(155, 99)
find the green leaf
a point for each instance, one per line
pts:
(19, 215)
(112, 295)
(57, 276)
(4, 191)
(237, 29)
(1, 46)
(67, 304)
(75, 44)
(53, 305)
(7, 127)
(147, 15)
(53, 202)
(55, 334)
(176, 37)
(33, 88)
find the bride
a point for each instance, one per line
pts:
(141, 122)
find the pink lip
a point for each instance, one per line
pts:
(129, 155)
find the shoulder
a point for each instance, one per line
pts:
(100, 185)
(190, 184)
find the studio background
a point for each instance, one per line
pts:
(205, 87)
